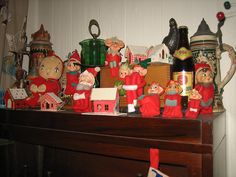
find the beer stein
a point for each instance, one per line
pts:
(205, 48)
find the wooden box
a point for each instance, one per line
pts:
(157, 72)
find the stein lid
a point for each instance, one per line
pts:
(203, 29)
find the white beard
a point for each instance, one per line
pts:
(83, 86)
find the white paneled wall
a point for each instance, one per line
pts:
(137, 22)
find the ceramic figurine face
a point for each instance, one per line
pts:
(124, 70)
(73, 65)
(195, 95)
(204, 76)
(139, 69)
(86, 78)
(51, 68)
(114, 44)
(155, 88)
(173, 88)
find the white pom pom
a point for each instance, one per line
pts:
(97, 69)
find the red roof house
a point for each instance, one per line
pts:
(50, 102)
(14, 98)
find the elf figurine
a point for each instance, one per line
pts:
(50, 70)
(172, 100)
(113, 57)
(204, 85)
(131, 83)
(150, 104)
(81, 97)
(124, 70)
(141, 68)
(72, 75)
(193, 105)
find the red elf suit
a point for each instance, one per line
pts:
(149, 105)
(207, 93)
(72, 76)
(172, 102)
(81, 97)
(113, 61)
(113, 57)
(204, 85)
(172, 106)
(141, 68)
(132, 82)
(194, 106)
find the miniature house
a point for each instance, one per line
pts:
(139, 53)
(50, 102)
(105, 100)
(160, 54)
(14, 98)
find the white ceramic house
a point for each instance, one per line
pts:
(160, 54)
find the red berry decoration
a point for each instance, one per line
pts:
(220, 16)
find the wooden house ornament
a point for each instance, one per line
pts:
(105, 100)
(14, 98)
(50, 102)
(160, 54)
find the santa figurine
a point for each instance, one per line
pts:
(193, 105)
(81, 97)
(113, 56)
(132, 82)
(50, 70)
(172, 100)
(72, 74)
(141, 68)
(205, 86)
(150, 104)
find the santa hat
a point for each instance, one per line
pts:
(75, 56)
(200, 66)
(94, 71)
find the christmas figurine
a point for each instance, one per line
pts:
(141, 68)
(50, 70)
(113, 56)
(73, 72)
(150, 104)
(193, 105)
(81, 97)
(204, 85)
(124, 70)
(131, 83)
(172, 100)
